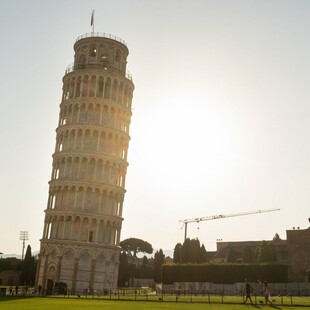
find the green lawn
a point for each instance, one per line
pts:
(74, 303)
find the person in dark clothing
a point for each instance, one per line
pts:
(247, 289)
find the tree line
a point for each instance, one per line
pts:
(190, 252)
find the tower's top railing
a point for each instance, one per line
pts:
(101, 35)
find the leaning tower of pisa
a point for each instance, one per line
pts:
(83, 218)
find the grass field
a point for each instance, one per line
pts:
(60, 303)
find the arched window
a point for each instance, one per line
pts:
(85, 86)
(114, 90)
(107, 89)
(78, 87)
(100, 87)
(92, 86)
(93, 50)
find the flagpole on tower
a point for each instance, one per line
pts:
(92, 21)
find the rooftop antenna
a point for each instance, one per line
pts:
(23, 236)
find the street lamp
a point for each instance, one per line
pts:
(23, 236)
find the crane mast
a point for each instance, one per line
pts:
(220, 216)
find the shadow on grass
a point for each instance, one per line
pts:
(10, 298)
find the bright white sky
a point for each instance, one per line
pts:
(220, 119)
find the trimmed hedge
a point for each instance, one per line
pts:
(224, 273)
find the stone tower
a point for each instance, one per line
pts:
(83, 219)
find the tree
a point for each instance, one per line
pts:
(144, 270)
(27, 276)
(203, 257)
(124, 270)
(276, 237)
(159, 259)
(134, 246)
(266, 253)
(190, 251)
(231, 255)
(247, 255)
(177, 253)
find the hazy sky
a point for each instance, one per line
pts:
(220, 119)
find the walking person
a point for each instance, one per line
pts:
(266, 293)
(247, 289)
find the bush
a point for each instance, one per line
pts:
(224, 273)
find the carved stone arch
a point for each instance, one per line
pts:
(115, 145)
(83, 113)
(68, 226)
(60, 227)
(72, 196)
(84, 229)
(114, 89)
(75, 167)
(100, 257)
(85, 84)
(105, 114)
(65, 198)
(87, 139)
(80, 198)
(108, 230)
(75, 113)
(69, 164)
(83, 167)
(62, 167)
(69, 254)
(71, 87)
(61, 141)
(76, 228)
(91, 168)
(85, 257)
(120, 93)
(88, 198)
(112, 116)
(93, 230)
(94, 140)
(79, 139)
(97, 112)
(90, 113)
(125, 96)
(107, 88)
(69, 113)
(99, 170)
(102, 141)
(118, 118)
(78, 86)
(92, 86)
(96, 199)
(53, 252)
(72, 134)
(64, 115)
(100, 87)
(109, 143)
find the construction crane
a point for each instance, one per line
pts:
(216, 217)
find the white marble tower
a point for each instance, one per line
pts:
(83, 219)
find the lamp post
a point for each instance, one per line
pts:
(23, 236)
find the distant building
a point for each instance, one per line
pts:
(294, 251)
(298, 247)
(223, 248)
